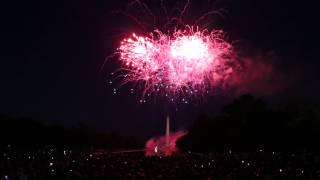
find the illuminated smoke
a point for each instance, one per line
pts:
(159, 146)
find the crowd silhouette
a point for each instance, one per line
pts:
(247, 140)
(52, 163)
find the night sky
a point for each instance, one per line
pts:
(52, 53)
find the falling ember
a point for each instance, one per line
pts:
(188, 61)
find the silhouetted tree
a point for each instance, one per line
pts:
(247, 123)
(27, 132)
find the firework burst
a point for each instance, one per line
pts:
(186, 61)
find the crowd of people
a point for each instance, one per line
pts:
(53, 163)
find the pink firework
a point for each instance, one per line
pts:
(186, 62)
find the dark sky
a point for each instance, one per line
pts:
(52, 52)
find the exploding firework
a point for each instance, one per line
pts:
(185, 62)
(188, 61)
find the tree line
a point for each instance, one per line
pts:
(248, 123)
(27, 132)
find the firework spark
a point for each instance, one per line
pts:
(188, 61)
